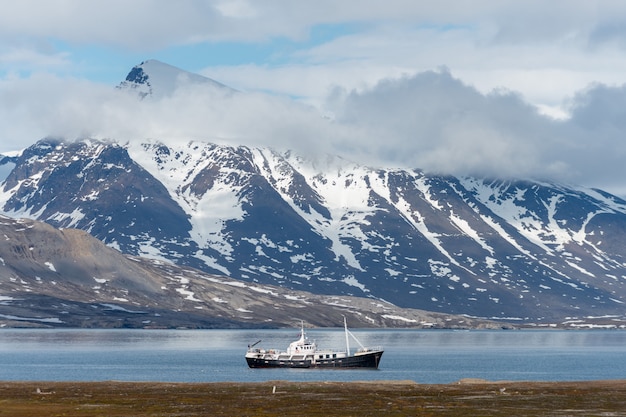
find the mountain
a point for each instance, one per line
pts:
(156, 79)
(528, 252)
(519, 251)
(67, 278)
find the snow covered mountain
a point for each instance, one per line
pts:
(517, 251)
(67, 278)
(520, 251)
(156, 79)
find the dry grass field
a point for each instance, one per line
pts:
(280, 398)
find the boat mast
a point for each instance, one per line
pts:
(348, 335)
(345, 326)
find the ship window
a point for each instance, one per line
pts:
(334, 355)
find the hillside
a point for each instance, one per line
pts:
(67, 278)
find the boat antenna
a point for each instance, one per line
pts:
(345, 326)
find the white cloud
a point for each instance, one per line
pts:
(44, 105)
(544, 50)
(430, 120)
(160, 23)
(435, 122)
(143, 24)
(373, 71)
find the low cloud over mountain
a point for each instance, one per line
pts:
(430, 120)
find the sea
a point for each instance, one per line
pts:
(423, 356)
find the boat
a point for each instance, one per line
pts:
(303, 353)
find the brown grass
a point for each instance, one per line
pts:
(280, 398)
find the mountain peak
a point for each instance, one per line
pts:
(158, 79)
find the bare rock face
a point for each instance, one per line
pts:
(69, 256)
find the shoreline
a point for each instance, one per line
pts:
(467, 397)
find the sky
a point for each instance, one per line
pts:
(523, 89)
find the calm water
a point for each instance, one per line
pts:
(425, 356)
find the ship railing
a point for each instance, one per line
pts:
(263, 351)
(329, 351)
(369, 349)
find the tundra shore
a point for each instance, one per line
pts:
(282, 398)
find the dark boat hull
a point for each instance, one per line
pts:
(369, 360)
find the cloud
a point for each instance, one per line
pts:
(367, 63)
(39, 106)
(435, 122)
(137, 24)
(595, 135)
(545, 51)
(160, 23)
(600, 107)
(45, 105)
(431, 120)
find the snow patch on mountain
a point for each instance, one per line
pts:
(508, 205)
(75, 216)
(549, 232)
(344, 195)
(420, 224)
(177, 167)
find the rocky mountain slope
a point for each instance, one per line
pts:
(67, 278)
(512, 250)
(515, 251)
